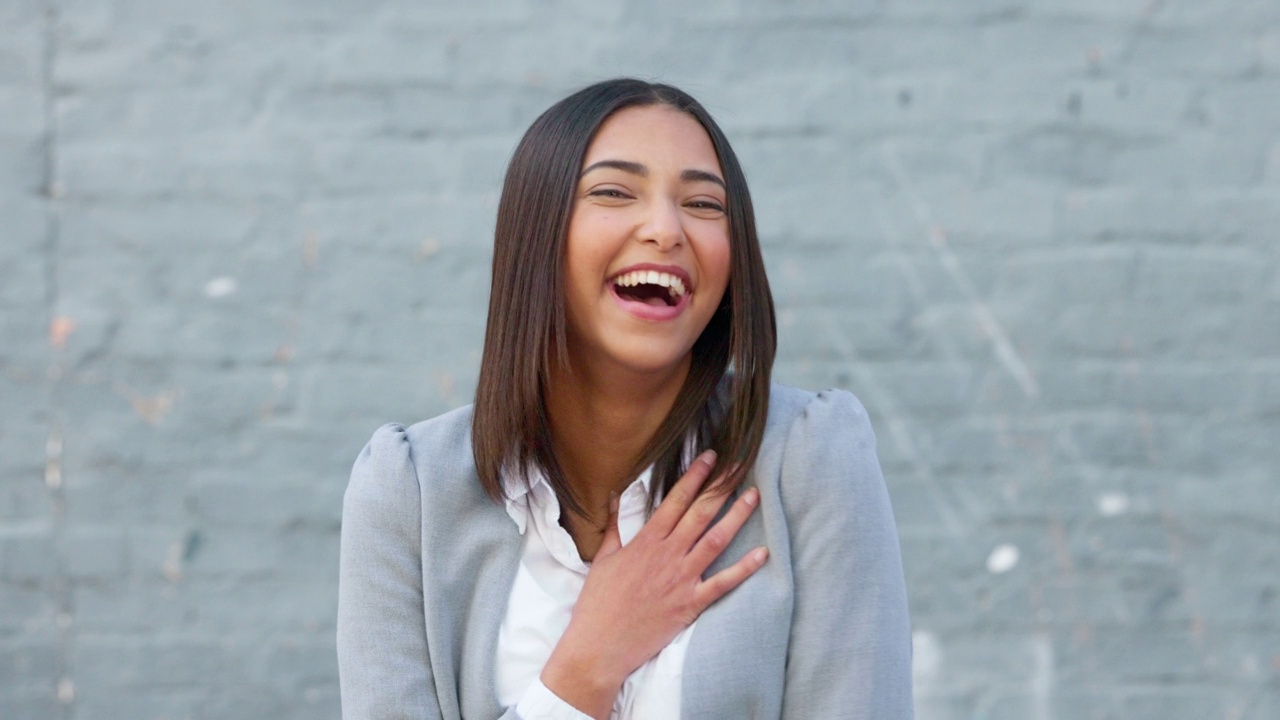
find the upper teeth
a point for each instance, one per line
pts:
(652, 277)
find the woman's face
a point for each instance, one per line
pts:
(647, 254)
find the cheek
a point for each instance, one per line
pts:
(577, 253)
(717, 260)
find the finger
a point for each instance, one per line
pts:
(698, 517)
(714, 541)
(682, 494)
(719, 585)
(612, 540)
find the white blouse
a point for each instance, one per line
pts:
(545, 590)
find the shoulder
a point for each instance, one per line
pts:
(808, 418)
(826, 447)
(399, 464)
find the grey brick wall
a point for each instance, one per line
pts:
(1037, 237)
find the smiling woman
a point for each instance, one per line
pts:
(660, 214)
(631, 521)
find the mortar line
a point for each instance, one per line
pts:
(54, 477)
(48, 185)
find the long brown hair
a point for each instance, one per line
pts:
(526, 330)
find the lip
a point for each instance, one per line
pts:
(672, 269)
(645, 311)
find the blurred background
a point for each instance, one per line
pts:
(1038, 238)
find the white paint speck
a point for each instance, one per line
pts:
(220, 287)
(1042, 678)
(1113, 503)
(1002, 559)
(53, 474)
(66, 691)
(926, 657)
(1250, 666)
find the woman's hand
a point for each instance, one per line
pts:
(637, 598)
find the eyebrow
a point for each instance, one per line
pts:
(702, 176)
(635, 168)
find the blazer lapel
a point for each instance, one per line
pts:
(736, 657)
(494, 574)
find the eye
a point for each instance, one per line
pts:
(609, 193)
(709, 206)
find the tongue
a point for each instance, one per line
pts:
(654, 295)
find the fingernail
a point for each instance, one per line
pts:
(750, 497)
(708, 457)
(760, 555)
(613, 501)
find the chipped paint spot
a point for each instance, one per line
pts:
(310, 251)
(60, 328)
(1113, 503)
(1003, 559)
(428, 248)
(172, 567)
(154, 409)
(179, 554)
(151, 409)
(220, 287)
(53, 459)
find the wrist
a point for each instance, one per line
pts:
(582, 681)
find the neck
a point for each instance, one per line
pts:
(600, 422)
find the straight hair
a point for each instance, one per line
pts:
(724, 401)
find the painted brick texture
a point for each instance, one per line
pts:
(1038, 238)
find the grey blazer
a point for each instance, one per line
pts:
(821, 631)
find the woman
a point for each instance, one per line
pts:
(630, 521)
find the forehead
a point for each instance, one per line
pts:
(653, 135)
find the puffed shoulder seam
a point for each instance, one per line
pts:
(835, 411)
(837, 401)
(384, 469)
(834, 428)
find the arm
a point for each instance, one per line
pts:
(383, 666)
(850, 648)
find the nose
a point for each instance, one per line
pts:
(662, 226)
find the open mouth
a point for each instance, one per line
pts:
(650, 287)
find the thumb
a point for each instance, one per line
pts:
(612, 540)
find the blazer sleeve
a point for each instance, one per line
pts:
(850, 650)
(384, 672)
(384, 669)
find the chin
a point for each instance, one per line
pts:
(643, 355)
